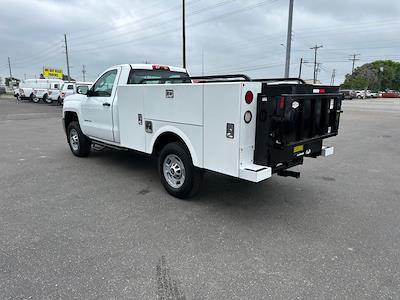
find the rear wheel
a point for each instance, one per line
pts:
(79, 143)
(46, 99)
(34, 99)
(178, 175)
(60, 101)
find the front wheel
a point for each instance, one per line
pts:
(79, 143)
(178, 175)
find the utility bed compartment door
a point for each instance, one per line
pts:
(222, 107)
(175, 103)
(131, 123)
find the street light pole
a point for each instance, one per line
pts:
(66, 53)
(9, 67)
(289, 39)
(183, 34)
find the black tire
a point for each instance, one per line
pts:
(46, 99)
(82, 145)
(192, 175)
(60, 101)
(34, 99)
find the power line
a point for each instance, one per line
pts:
(162, 33)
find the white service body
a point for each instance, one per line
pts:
(198, 113)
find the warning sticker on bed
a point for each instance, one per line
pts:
(298, 148)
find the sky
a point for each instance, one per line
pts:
(222, 36)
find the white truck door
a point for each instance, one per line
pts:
(97, 106)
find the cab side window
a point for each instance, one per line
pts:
(104, 86)
(70, 87)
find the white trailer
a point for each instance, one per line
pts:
(228, 124)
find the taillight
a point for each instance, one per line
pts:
(35, 92)
(50, 92)
(63, 94)
(282, 102)
(249, 97)
(158, 67)
(319, 91)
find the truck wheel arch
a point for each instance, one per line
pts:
(168, 135)
(69, 117)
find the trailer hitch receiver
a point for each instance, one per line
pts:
(287, 173)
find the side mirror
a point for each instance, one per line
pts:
(83, 92)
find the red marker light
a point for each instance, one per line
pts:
(249, 97)
(282, 102)
(158, 67)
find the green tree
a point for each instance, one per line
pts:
(377, 75)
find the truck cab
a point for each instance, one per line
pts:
(231, 124)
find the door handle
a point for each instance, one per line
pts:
(106, 104)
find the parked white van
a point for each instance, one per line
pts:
(37, 89)
(54, 91)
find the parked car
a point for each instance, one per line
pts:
(348, 94)
(70, 88)
(16, 92)
(390, 94)
(360, 94)
(230, 124)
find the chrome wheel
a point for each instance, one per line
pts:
(174, 171)
(74, 139)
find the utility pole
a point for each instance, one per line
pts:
(301, 65)
(25, 76)
(315, 48)
(289, 39)
(66, 53)
(354, 59)
(333, 77)
(9, 67)
(183, 34)
(84, 72)
(318, 70)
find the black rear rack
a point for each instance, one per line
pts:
(219, 78)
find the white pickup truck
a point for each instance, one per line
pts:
(229, 124)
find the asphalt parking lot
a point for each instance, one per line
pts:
(103, 227)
